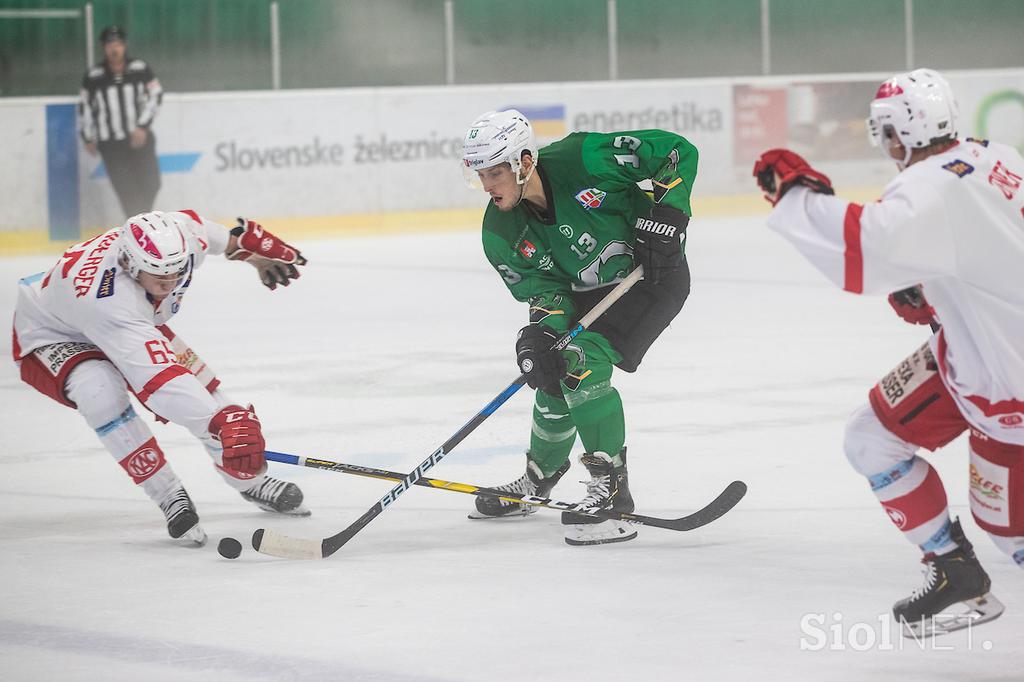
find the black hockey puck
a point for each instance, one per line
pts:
(229, 548)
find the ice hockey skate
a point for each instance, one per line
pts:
(277, 496)
(954, 581)
(532, 482)
(607, 489)
(182, 519)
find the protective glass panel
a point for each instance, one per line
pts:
(810, 36)
(660, 39)
(327, 43)
(530, 40)
(951, 34)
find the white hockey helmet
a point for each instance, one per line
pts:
(154, 242)
(495, 138)
(919, 108)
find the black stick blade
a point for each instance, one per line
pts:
(717, 508)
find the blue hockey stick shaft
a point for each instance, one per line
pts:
(278, 544)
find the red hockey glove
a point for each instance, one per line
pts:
(275, 260)
(911, 305)
(241, 438)
(779, 169)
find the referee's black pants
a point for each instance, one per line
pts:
(134, 173)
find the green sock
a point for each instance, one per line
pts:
(594, 404)
(553, 433)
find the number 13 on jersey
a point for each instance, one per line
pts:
(630, 143)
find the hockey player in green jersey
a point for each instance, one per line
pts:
(564, 224)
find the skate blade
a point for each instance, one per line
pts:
(194, 536)
(602, 541)
(581, 535)
(960, 616)
(477, 516)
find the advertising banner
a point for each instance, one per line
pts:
(825, 120)
(319, 153)
(316, 153)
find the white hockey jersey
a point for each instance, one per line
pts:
(953, 223)
(87, 297)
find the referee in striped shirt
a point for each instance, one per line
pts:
(119, 100)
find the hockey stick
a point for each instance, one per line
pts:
(277, 544)
(725, 501)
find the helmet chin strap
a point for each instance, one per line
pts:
(907, 152)
(521, 181)
(522, 193)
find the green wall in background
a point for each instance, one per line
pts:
(197, 45)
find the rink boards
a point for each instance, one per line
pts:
(372, 160)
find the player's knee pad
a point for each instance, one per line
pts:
(997, 486)
(590, 401)
(589, 369)
(870, 447)
(909, 489)
(99, 391)
(102, 397)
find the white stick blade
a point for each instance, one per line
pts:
(280, 545)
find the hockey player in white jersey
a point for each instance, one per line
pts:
(947, 239)
(94, 328)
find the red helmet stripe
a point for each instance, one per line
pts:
(888, 89)
(144, 242)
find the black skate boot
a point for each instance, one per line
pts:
(953, 578)
(530, 483)
(275, 495)
(607, 489)
(182, 519)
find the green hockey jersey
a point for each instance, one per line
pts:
(586, 238)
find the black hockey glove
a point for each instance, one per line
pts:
(543, 367)
(658, 241)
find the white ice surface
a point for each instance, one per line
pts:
(382, 350)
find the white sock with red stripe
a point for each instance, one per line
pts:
(913, 496)
(909, 489)
(136, 450)
(99, 391)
